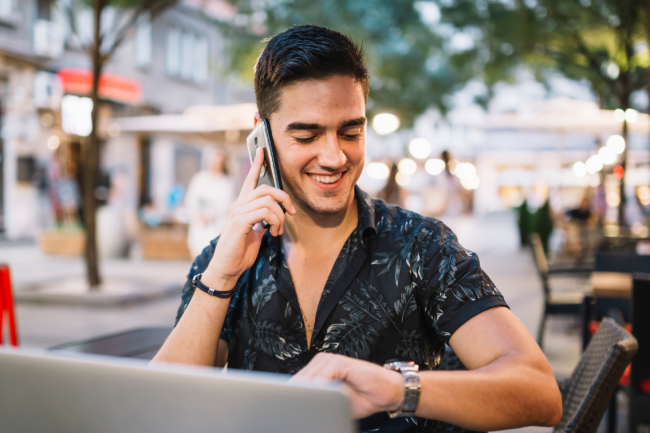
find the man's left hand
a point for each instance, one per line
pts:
(371, 388)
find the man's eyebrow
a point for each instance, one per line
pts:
(297, 126)
(353, 122)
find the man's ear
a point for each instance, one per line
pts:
(257, 119)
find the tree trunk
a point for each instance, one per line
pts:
(91, 160)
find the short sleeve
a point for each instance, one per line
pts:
(456, 288)
(198, 267)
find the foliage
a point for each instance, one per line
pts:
(410, 69)
(539, 221)
(415, 64)
(543, 224)
(523, 222)
(603, 42)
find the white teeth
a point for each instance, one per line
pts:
(326, 179)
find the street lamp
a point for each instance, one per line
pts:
(385, 123)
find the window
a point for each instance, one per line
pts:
(143, 42)
(187, 51)
(173, 49)
(7, 8)
(188, 55)
(201, 59)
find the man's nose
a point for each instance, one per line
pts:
(330, 154)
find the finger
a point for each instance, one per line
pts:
(264, 202)
(254, 174)
(259, 215)
(277, 194)
(316, 366)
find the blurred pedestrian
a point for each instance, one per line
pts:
(208, 196)
(450, 187)
(391, 193)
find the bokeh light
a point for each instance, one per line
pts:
(407, 166)
(613, 199)
(616, 143)
(385, 123)
(471, 182)
(402, 178)
(619, 115)
(378, 170)
(607, 155)
(594, 164)
(53, 142)
(465, 170)
(434, 166)
(579, 169)
(420, 148)
(631, 115)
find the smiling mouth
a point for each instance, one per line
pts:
(326, 178)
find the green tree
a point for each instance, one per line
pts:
(410, 68)
(100, 53)
(601, 42)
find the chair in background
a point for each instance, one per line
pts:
(587, 393)
(555, 302)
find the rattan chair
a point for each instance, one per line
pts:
(555, 302)
(586, 394)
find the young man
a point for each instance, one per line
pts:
(342, 283)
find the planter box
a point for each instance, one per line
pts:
(165, 243)
(63, 243)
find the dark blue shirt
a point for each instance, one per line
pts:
(400, 287)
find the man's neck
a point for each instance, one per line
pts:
(315, 233)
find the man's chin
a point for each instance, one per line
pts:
(328, 205)
(325, 206)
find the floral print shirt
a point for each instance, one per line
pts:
(400, 287)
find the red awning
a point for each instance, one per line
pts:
(111, 86)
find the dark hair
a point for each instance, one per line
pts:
(303, 53)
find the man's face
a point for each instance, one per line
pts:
(320, 138)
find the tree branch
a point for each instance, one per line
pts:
(151, 6)
(68, 10)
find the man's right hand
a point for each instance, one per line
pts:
(242, 232)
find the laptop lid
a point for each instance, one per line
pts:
(75, 393)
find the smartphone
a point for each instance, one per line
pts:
(270, 174)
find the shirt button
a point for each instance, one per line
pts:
(300, 325)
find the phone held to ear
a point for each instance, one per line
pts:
(270, 175)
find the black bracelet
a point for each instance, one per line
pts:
(224, 294)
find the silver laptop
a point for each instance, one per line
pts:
(57, 392)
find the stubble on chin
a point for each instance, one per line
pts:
(324, 205)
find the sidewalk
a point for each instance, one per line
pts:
(45, 325)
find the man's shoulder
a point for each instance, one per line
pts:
(399, 221)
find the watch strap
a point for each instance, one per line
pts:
(412, 386)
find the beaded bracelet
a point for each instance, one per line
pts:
(223, 294)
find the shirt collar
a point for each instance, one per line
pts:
(366, 209)
(365, 225)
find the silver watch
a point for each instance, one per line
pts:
(410, 371)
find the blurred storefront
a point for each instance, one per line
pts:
(167, 65)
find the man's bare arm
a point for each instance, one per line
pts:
(509, 382)
(195, 339)
(509, 385)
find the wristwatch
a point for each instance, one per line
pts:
(411, 386)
